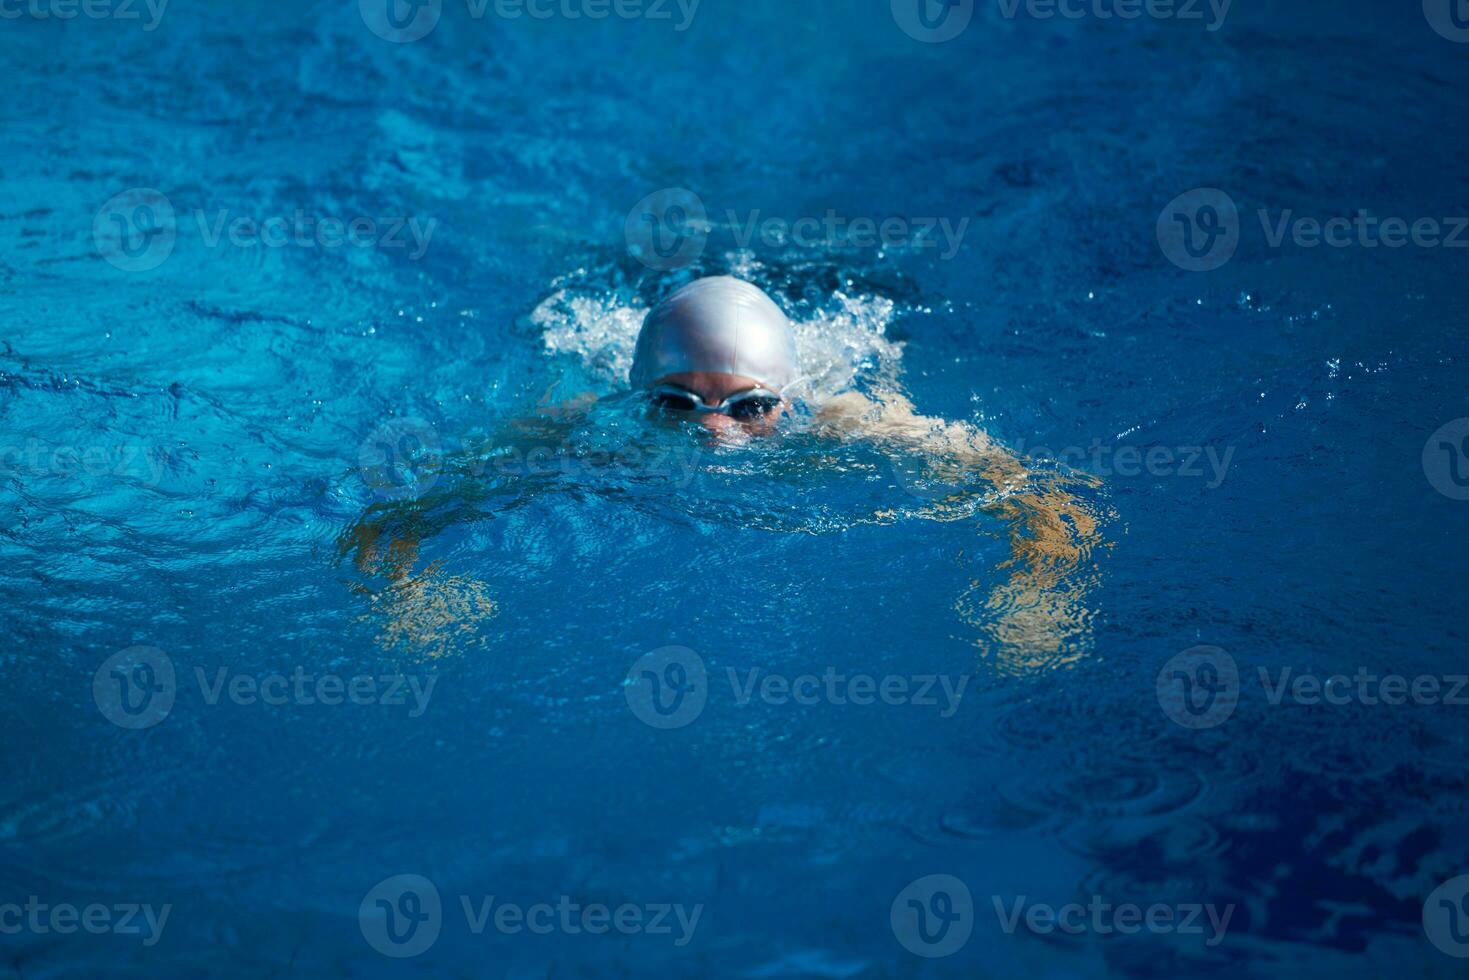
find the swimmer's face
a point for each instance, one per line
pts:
(742, 417)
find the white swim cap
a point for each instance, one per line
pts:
(719, 325)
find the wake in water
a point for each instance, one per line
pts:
(840, 343)
(854, 452)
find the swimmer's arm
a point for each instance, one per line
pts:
(891, 419)
(1051, 532)
(424, 609)
(386, 538)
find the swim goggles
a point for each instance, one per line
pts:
(750, 404)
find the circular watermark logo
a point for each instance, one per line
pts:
(667, 688)
(933, 916)
(1446, 459)
(401, 21)
(402, 459)
(135, 230)
(1199, 688)
(1446, 917)
(1450, 18)
(135, 688)
(668, 229)
(1199, 230)
(933, 21)
(401, 916)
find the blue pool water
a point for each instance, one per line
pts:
(204, 537)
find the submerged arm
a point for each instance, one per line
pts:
(1038, 612)
(429, 610)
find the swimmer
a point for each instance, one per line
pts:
(721, 353)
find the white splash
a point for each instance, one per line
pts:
(839, 345)
(600, 331)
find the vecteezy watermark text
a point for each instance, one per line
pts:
(1365, 687)
(1202, 686)
(404, 21)
(937, 21)
(137, 688)
(680, 463)
(670, 229)
(1211, 13)
(1208, 463)
(138, 229)
(1102, 918)
(941, 692)
(934, 917)
(939, 479)
(302, 230)
(123, 10)
(1200, 230)
(403, 459)
(41, 459)
(834, 231)
(572, 918)
(63, 919)
(403, 916)
(670, 687)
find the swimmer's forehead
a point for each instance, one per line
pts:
(704, 381)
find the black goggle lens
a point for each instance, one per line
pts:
(753, 408)
(745, 409)
(673, 403)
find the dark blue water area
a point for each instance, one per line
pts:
(191, 484)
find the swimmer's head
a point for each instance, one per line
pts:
(722, 341)
(718, 325)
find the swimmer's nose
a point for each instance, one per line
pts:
(719, 423)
